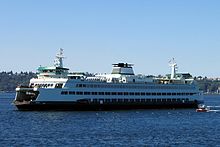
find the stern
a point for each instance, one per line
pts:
(25, 95)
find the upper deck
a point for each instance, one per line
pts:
(122, 73)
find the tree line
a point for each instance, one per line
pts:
(208, 85)
(10, 80)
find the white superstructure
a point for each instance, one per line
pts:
(56, 88)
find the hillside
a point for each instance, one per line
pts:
(9, 81)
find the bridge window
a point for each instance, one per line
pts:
(120, 93)
(72, 92)
(101, 93)
(79, 93)
(125, 93)
(94, 93)
(131, 93)
(137, 93)
(64, 92)
(148, 93)
(107, 93)
(86, 93)
(158, 93)
(58, 85)
(114, 93)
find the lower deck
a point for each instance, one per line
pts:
(94, 106)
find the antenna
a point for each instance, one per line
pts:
(173, 65)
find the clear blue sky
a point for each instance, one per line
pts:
(97, 33)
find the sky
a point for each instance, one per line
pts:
(97, 33)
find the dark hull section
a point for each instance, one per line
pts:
(77, 106)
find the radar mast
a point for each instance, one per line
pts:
(173, 65)
(58, 62)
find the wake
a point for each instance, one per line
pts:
(213, 108)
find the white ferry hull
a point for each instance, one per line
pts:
(78, 100)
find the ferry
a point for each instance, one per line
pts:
(55, 88)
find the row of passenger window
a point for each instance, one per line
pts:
(122, 93)
(132, 86)
(41, 85)
(59, 85)
(136, 100)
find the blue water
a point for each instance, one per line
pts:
(182, 127)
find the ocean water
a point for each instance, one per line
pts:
(180, 127)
